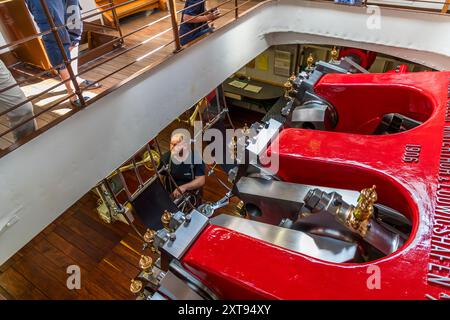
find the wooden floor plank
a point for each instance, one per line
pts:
(81, 258)
(81, 243)
(43, 280)
(112, 235)
(4, 295)
(97, 240)
(60, 261)
(91, 290)
(121, 281)
(11, 261)
(107, 284)
(121, 264)
(15, 284)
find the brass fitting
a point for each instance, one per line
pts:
(149, 236)
(287, 88)
(136, 286)
(146, 263)
(334, 54)
(310, 62)
(292, 78)
(232, 147)
(245, 130)
(240, 208)
(359, 218)
(165, 219)
(147, 159)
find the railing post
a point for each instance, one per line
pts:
(63, 53)
(236, 9)
(116, 20)
(173, 16)
(445, 7)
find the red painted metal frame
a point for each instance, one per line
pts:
(239, 267)
(366, 57)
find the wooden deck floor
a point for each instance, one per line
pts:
(107, 254)
(128, 24)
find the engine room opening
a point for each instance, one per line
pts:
(325, 99)
(327, 214)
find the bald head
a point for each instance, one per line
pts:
(175, 140)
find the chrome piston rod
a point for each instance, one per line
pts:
(372, 232)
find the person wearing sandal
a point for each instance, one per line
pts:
(67, 13)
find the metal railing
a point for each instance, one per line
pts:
(234, 11)
(101, 60)
(117, 198)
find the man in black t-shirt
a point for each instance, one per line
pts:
(188, 175)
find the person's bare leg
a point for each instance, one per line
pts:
(74, 64)
(65, 75)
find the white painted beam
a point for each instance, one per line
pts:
(417, 36)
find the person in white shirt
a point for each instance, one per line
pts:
(12, 97)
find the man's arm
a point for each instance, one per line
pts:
(195, 184)
(201, 18)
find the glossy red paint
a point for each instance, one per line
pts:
(239, 267)
(364, 58)
(403, 68)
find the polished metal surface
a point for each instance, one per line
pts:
(264, 137)
(152, 277)
(177, 219)
(208, 209)
(323, 248)
(176, 289)
(278, 199)
(314, 114)
(157, 296)
(355, 65)
(185, 235)
(383, 239)
(370, 230)
(161, 237)
(324, 224)
(308, 110)
(206, 293)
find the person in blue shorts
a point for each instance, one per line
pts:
(194, 20)
(65, 13)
